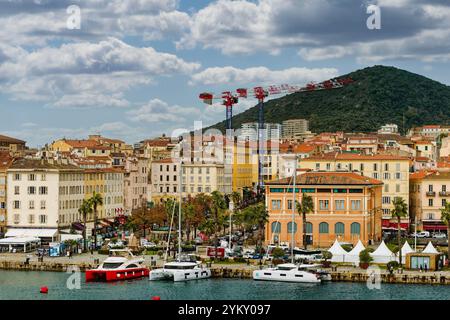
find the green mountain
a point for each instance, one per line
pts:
(378, 96)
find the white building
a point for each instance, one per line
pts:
(389, 128)
(43, 197)
(294, 128)
(250, 131)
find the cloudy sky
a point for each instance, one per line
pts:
(134, 68)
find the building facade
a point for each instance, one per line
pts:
(294, 128)
(346, 207)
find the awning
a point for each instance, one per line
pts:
(37, 233)
(78, 226)
(19, 240)
(394, 225)
(434, 227)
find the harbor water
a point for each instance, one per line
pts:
(25, 285)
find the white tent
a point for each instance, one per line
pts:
(430, 248)
(339, 254)
(405, 250)
(353, 255)
(383, 254)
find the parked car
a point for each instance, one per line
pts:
(118, 244)
(439, 235)
(422, 234)
(149, 245)
(198, 241)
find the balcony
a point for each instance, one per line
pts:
(431, 194)
(444, 194)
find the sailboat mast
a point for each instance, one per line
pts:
(293, 210)
(179, 212)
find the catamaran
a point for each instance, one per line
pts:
(185, 267)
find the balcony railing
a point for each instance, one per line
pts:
(444, 194)
(431, 194)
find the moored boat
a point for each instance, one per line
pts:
(120, 265)
(287, 272)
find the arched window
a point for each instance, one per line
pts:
(339, 228)
(289, 227)
(276, 227)
(309, 228)
(355, 228)
(323, 227)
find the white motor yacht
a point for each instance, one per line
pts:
(287, 272)
(317, 269)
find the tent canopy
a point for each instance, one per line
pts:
(336, 249)
(430, 248)
(36, 233)
(357, 249)
(406, 249)
(382, 250)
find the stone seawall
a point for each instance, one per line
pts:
(246, 273)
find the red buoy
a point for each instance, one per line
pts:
(44, 290)
(156, 298)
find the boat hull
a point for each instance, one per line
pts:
(98, 275)
(283, 276)
(179, 275)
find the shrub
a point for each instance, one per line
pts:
(327, 255)
(364, 256)
(347, 247)
(240, 259)
(393, 247)
(278, 253)
(392, 264)
(277, 261)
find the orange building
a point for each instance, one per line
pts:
(347, 207)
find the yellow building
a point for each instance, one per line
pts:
(392, 170)
(346, 207)
(81, 148)
(429, 192)
(243, 168)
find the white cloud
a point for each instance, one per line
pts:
(86, 74)
(261, 75)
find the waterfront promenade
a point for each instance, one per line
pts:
(219, 270)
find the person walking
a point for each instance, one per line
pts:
(421, 268)
(426, 267)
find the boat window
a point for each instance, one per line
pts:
(285, 268)
(299, 276)
(179, 267)
(132, 266)
(111, 265)
(267, 274)
(283, 274)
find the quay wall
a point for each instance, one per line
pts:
(246, 273)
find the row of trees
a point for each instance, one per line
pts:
(89, 206)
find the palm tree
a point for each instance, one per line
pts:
(95, 201)
(257, 215)
(303, 208)
(218, 205)
(445, 216)
(400, 210)
(84, 210)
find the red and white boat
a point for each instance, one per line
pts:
(120, 265)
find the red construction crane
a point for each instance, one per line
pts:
(261, 93)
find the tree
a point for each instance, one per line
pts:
(218, 205)
(84, 210)
(303, 208)
(95, 201)
(257, 215)
(445, 216)
(400, 210)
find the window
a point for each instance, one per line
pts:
(375, 175)
(339, 228)
(386, 188)
(167, 178)
(355, 228)
(31, 190)
(31, 177)
(307, 190)
(386, 167)
(430, 202)
(444, 188)
(43, 177)
(43, 190)
(16, 204)
(276, 190)
(355, 190)
(199, 189)
(31, 218)
(356, 204)
(350, 167)
(16, 218)
(289, 227)
(397, 188)
(386, 200)
(430, 216)
(361, 167)
(175, 178)
(375, 167)
(323, 204)
(31, 205)
(16, 177)
(444, 202)
(339, 204)
(160, 167)
(386, 175)
(339, 190)
(175, 189)
(398, 175)
(328, 166)
(323, 227)
(16, 190)
(276, 204)
(289, 204)
(276, 227)
(309, 228)
(430, 188)
(317, 166)
(167, 189)
(43, 205)
(42, 219)
(397, 167)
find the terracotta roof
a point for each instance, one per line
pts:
(304, 148)
(11, 140)
(328, 178)
(90, 144)
(354, 156)
(5, 159)
(41, 164)
(430, 175)
(169, 160)
(423, 142)
(421, 159)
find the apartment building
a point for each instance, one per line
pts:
(346, 207)
(294, 128)
(429, 192)
(135, 183)
(5, 162)
(80, 148)
(250, 131)
(13, 145)
(43, 197)
(204, 178)
(164, 181)
(392, 170)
